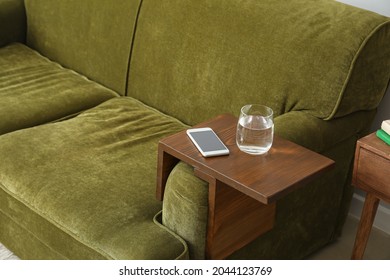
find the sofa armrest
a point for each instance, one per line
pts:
(185, 204)
(13, 24)
(319, 135)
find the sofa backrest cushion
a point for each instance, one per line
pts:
(12, 22)
(194, 59)
(93, 37)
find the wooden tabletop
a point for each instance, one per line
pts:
(265, 178)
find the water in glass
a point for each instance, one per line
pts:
(255, 133)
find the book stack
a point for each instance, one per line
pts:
(384, 132)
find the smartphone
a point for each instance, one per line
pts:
(207, 142)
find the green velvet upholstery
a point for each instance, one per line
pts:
(306, 219)
(196, 59)
(12, 22)
(85, 187)
(92, 37)
(34, 90)
(78, 140)
(183, 201)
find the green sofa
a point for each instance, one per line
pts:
(88, 88)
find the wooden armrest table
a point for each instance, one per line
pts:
(371, 174)
(243, 189)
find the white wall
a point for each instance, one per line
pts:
(382, 220)
(378, 6)
(383, 110)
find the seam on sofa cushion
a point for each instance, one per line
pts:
(131, 47)
(47, 60)
(184, 254)
(64, 229)
(41, 90)
(30, 232)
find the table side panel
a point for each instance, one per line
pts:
(235, 219)
(373, 174)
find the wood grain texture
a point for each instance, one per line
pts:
(371, 174)
(365, 225)
(265, 178)
(234, 219)
(243, 189)
(372, 166)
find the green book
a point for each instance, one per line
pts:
(383, 136)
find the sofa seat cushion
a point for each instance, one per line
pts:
(34, 90)
(92, 177)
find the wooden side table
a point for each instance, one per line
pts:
(243, 189)
(371, 174)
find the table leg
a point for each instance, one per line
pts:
(367, 219)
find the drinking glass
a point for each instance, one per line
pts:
(255, 129)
